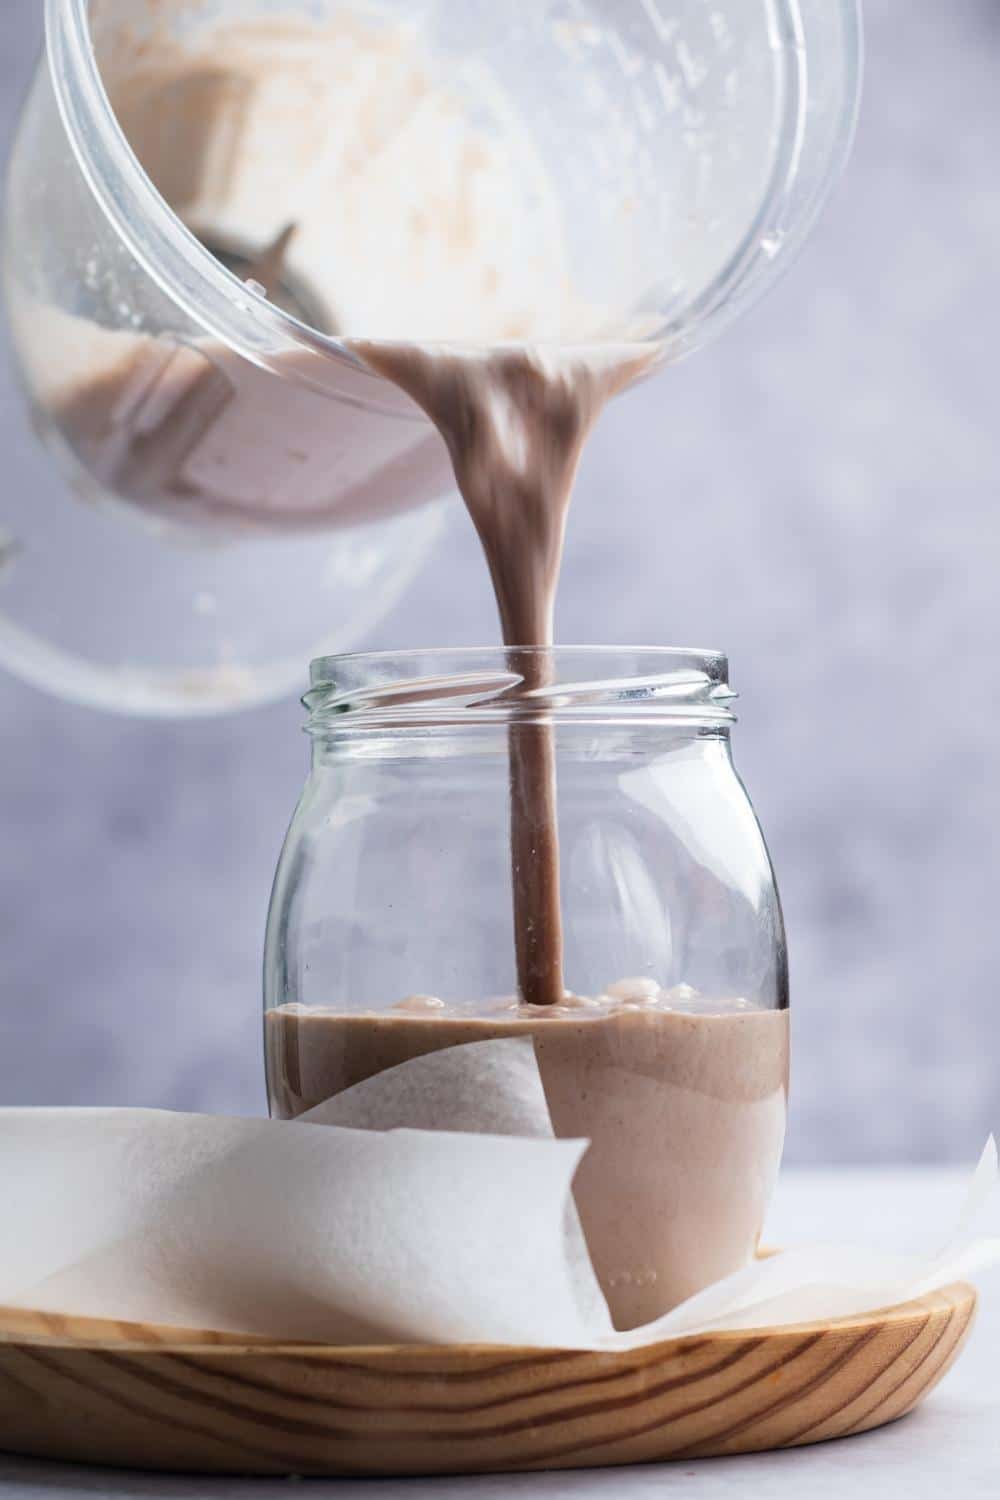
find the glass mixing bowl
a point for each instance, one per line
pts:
(241, 494)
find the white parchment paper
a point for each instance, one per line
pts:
(434, 1206)
(485, 1088)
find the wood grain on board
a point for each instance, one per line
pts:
(127, 1394)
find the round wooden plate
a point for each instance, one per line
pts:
(148, 1398)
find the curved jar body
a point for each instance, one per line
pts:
(390, 934)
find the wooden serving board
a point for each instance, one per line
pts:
(141, 1397)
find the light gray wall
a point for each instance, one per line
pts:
(818, 495)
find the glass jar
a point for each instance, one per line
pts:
(391, 932)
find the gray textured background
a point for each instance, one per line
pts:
(819, 493)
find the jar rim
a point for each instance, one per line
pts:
(452, 686)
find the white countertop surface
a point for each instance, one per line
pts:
(950, 1446)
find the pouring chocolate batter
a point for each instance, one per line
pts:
(515, 421)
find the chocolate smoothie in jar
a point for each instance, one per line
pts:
(393, 929)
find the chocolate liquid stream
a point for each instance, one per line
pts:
(515, 421)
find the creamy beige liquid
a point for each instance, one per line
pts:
(204, 441)
(685, 1114)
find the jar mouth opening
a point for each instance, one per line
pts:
(489, 685)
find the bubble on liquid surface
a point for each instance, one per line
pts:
(681, 994)
(583, 1002)
(639, 989)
